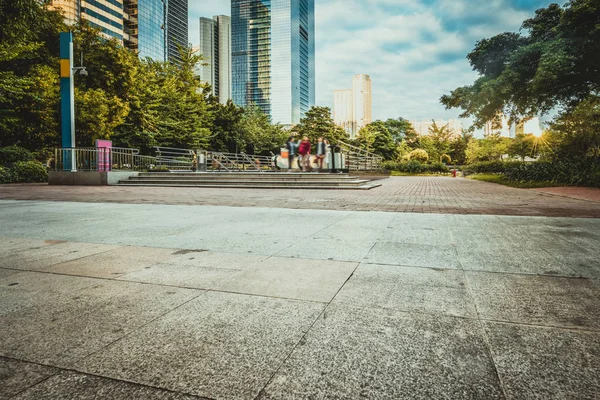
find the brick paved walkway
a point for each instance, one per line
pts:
(400, 194)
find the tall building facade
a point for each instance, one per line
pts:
(215, 46)
(177, 27)
(152, 28)
(106, 15)
(353, 108)
(363, 100)
(273, 56)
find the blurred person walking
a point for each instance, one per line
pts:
(304, 151)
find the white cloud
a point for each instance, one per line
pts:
(414, 53)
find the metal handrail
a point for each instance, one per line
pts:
(357, 159)
(102, 159)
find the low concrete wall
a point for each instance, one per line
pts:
(88, 178)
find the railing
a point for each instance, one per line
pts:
(357, 159)
(175, 159)
(101, 159)
(235, 162)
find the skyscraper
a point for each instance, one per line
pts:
(177, 28)
(215, 46)
(138, 24)
(106, 15)
(273, 56)
(343, 110)
(353, 108)
(363, 100)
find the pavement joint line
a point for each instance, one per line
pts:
(136, 329)
(62, 369)
(554, 327)
(261, 391)
(485, 335)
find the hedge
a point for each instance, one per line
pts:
(28, 172)
(415, 167)
(13, 154)
(584, 172)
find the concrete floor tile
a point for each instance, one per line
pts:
(39, 323)
(329, 249)
(217, 260)
(537, 300)
(16, 376)
(39, 258)
(427, 236)
(7, 272)
(408, 289)
(411, 254)
(221, 345)
(69, 385)
(11, 244)
(292, 278)
(546, 363)
(181, 275)
(353, 353)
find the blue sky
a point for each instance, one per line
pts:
(414, 50)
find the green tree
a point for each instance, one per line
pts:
(260, 135)
(523, 146)
(553, 65)
(491, 148)
(401, 130)
(318, 123)
(97, 116)
(441, 137)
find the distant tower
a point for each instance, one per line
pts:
(343, 111)
(215, 46)
(363, 101)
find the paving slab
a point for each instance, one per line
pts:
(17, 376)
(10, 244)
(215, 259)
(546, 363)
(221, 346)
(329, 249)
(425, 236)
(537, 300)
(181, 275)
(59, 327)
(113, 263)
(387, 354)
(408, 289)
(39, 258)
(302, 279)
(7, 272)
(68, 385)
(415, 255)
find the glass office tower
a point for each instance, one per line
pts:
(273, 56)
(151, 26)
(215, 47)
(177, 28)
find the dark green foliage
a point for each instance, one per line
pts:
(489, 167)
(5, 175)
(318, 123)
(12, 154)
(29, 172)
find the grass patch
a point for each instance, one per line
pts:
(501, 180)
(398, 173)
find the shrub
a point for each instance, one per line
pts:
(415, 167)
(5, 175)
(13, 154)
(437, 167)
(446, 159)
(490, 167)
(29, 172)
(419, 155)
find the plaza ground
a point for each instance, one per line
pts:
(424, 288)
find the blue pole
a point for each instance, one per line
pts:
(67, 99)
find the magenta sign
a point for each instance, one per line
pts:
(104, 153)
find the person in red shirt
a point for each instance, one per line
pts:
(304, 151)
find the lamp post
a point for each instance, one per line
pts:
(67, 99)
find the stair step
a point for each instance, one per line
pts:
(134, 181)
(367, 186)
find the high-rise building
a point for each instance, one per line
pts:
(215, 46)
(343, 111)
(106, 15)
(353, 108)
(140, 25)
(177, 27)
(273, 56)
(504, 129)
(363, 100)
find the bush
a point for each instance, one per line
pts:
(5, 175)
(415, 167)
(419, 155)
(29, 172)
(490, 167)
(437, 167)
(13, 154)
(446, 159)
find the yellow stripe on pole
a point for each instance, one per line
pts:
(65, 68)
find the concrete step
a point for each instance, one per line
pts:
(246, 182)
(246, 175)
(243, 178)
(366, 186)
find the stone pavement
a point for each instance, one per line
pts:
(398, 194)
(129, 301)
